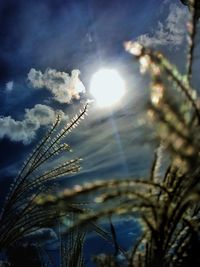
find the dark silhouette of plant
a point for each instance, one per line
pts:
(168, 206)
(24, 256)
(20, 215)
(72, 247)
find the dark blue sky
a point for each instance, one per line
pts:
(66, 35)
(62, 35)
(81, 34)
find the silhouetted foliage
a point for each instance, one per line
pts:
(21, 216)
(24, 256)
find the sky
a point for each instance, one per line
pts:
(49, 51)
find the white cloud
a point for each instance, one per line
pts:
(25, 130)
(9, 86)
(171, 32)
(64, 87)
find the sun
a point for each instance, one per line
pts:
(107, 87)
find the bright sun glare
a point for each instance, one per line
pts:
(107, 87)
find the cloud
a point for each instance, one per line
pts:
(46, 236)
(63, 87)
(25, 130)
(9, 86)
(172, 32)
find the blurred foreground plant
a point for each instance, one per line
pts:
(168, 206)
